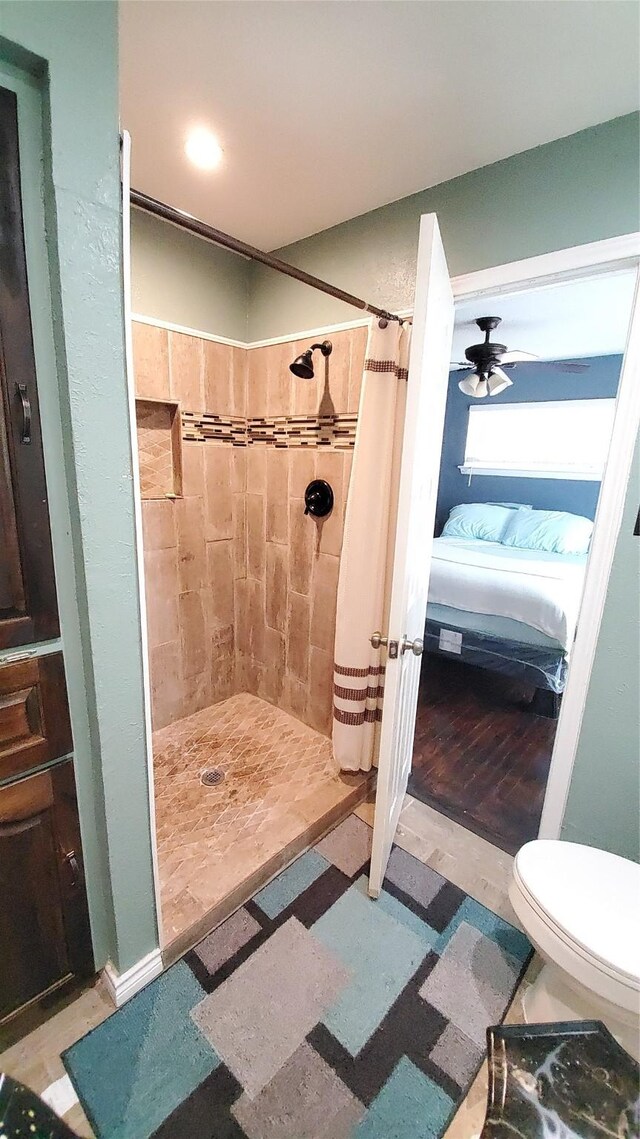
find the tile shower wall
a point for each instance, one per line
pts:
(194, 545)
(241, 586)
(288, 598)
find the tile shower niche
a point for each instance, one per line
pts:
(159, 430)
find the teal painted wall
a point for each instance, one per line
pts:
(603, 808)
(182, 279)
(569, 192)
(65, 53)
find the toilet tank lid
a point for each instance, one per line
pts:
(591, 895)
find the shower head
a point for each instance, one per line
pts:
(303, 365)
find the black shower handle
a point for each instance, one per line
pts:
(25, 434)
(318, 498)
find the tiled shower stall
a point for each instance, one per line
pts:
(241, 600)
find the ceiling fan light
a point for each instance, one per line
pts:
(469, 384)
(498, 382)
(482, 389)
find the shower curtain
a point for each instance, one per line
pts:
(366, 561)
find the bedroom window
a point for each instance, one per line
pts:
(564, 439)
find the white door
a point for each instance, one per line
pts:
(429, 366)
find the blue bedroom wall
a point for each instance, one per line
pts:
(532, 383)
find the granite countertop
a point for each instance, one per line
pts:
(560, 1081)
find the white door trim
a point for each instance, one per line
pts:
(137, 508)
(550, 268)
(540, 272)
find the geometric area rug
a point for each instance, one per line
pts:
(312, 1012)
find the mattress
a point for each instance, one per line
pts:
(533, 588)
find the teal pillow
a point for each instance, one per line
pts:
(551, 531)
(482, 520)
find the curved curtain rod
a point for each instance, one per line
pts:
(202, 229)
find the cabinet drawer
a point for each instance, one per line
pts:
(34, 715)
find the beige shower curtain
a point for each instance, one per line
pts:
(367, 550)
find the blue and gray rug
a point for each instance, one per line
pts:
(311, 1013)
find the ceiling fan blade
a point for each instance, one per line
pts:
(571, 366)
(517, 357)
(564, 365)
(461, 364)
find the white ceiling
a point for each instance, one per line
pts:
(559, 322)
(328, 108)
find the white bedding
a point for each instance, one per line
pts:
(540, 589)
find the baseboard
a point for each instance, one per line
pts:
(122, 986)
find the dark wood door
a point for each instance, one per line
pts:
(28, 607)
(44, 924)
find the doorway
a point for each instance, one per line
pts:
(428, 383)
(520, 474)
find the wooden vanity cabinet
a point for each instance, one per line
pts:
(44, 921)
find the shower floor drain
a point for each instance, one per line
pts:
(211, 776)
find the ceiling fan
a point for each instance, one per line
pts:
(489, 359)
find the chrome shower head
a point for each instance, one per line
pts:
(302, 366)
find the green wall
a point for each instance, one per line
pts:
(569, 192)
(603, 808)
(63, 57)
(182, 279)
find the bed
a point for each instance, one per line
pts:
(510, 610)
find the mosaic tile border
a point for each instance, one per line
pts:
(337, 431)
(204, 426)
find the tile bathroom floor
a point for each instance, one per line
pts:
(280, 792)
(473, 864)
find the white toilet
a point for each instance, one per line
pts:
(581, 909)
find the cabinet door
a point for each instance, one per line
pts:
(28, 608)
(44, 930)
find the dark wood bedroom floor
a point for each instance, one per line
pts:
(480, 757)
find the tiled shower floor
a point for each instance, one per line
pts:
(280, 791)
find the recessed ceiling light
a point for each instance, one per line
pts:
(203, 149)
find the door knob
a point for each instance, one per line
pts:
(417, 646)
(377, 641)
